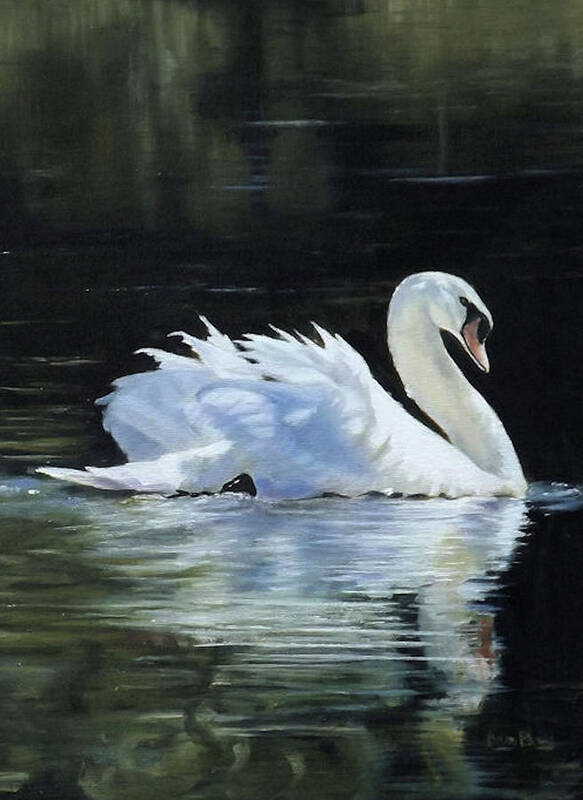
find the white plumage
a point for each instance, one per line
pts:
(303, 418)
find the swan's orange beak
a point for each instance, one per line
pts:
(476, 348)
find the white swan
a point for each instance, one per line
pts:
(303, 418)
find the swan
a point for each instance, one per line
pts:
(301, 418)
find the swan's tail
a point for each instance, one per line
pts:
(199, 469)
(105, 478)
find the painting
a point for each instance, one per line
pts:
(291, 451)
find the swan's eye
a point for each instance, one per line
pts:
(464, 301)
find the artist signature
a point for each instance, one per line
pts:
(522, 740)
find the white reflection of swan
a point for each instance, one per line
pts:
(321, 423)
(301, 592)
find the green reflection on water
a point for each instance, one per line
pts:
(156, 114)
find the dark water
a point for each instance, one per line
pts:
(281, 162)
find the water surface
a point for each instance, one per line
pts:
(217, 646)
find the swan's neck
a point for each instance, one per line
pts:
(438, 386)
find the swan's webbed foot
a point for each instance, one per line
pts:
(241, 484)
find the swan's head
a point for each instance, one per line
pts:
(450, 304)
